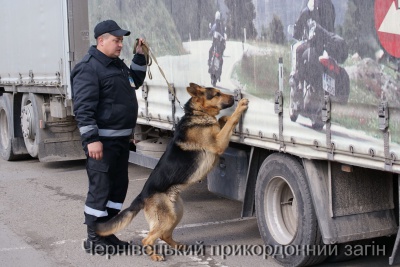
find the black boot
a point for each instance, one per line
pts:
(96, 244)
(115, 241)
(112, 238)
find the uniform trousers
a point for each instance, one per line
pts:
(108, 181)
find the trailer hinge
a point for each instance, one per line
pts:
(383, 121)
(278, 102)
(326, 109)
(172, 98)
(237, 95)
(383, 114)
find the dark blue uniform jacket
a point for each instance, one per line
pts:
(103, 89)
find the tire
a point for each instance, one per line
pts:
(30, 116)
(284, 210)
(6, 128)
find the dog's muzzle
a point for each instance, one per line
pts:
(228, 104)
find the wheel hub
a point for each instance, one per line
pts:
(26, 122)
(281, 214)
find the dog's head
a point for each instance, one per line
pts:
(208, 99)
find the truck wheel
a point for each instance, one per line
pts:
(30, 117)
(6, 127)
(285, 213)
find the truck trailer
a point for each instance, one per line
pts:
(45, 41)
(315, 158)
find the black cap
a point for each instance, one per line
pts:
(111, 27)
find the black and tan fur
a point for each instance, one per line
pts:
(195, 148)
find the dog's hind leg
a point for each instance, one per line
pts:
(148, 244)
(163, 215)
(153, 211)
(175, 216)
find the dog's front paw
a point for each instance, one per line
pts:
(243, 104)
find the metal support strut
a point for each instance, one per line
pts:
(172, 98)
(326, 117)
(383, 119)
(239, 128)
(278, 107)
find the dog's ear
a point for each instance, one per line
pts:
(194, 85)
(195, 90)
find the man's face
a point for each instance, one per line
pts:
(110, 45)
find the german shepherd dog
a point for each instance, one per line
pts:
(198, 141)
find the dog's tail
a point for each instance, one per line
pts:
(120, 221)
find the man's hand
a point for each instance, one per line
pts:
(95, 150)
(139, 49)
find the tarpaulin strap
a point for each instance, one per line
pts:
(278, 107)
(326, 117)
(383, 124)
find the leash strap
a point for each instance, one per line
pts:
(150, 57)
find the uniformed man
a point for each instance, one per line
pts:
(106, 108)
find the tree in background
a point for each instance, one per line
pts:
(275, 33)
(264, 33)
(240, 16)
(192, 17)
(359, 28)
(148, 19)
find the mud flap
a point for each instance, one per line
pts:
(342, 221)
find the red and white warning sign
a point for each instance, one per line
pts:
(387, 25)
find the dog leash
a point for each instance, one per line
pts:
(150, 57)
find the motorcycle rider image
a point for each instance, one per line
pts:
(323, 13)
(217, 31)
(317, 46)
